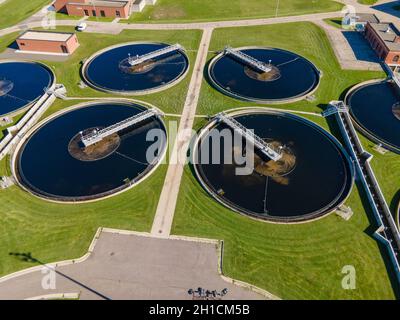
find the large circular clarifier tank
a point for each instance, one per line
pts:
(53, 163)
(21, 84)
(291, 77)
(313, 177)
(109, 70)
(376, 109)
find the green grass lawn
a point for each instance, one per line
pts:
(368, 2)
(311, 42)
(387, 170)
(170, 100)
(335, 22)
(7, 40)
(53, 232)
(15, 11)
(301, 261)
(64, 16)
(212, 10)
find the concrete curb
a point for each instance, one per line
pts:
(15, 152)
(364, 131)
(246, 110)
(57, 296)
(27, 106)
(218, 243)
(222, 90)
(130, 93)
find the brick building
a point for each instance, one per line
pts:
(384, 38)
(48, 42)
(101, 8)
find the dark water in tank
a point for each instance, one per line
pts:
(104, 70)
(29, 81)
(298, 76)
(46, 166)
(371, 106)
(321, 179)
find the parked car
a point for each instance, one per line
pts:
(81, 27)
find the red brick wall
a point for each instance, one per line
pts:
(60, 5)
(393, 57)
(48, 46)
(78, 10)
(376, 43)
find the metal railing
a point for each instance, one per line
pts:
(249, 60)
(98, 135)
(387, 230)
(135, 60)
(249, 135)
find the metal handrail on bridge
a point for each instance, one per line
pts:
(249, 60)
(387, 229)
(249, 135)
(98, 135)
(135, 60)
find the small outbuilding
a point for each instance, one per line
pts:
(359, 21)
(49, 42)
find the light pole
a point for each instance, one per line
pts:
(277, 8)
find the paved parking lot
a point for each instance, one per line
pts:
(133, 267)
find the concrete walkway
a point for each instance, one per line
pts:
(166, 206)
(99, 27)
(132, 266)
(351, 49)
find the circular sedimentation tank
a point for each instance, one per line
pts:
(110, 70)
(375, 107)
(312, 178)
(53, 163)
(21, 84)
(291, 77)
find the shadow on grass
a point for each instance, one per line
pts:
(370, 230)
(13, 45)
(27, 257)
(395, 205)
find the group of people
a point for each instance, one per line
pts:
(204, 294)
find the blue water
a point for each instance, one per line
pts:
(30, 80)
(298, 76)
(46, 166)
(371, 106)
(104, 71)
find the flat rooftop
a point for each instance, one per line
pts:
(388, 33)
(46, 36)
(367, 17)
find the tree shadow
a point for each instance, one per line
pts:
(27, 257)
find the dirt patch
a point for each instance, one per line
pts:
(272, 75)
(97, 151)
(143, 67)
